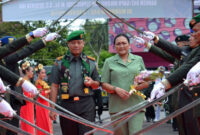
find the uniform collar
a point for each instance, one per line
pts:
(82, 57)
(131, 58)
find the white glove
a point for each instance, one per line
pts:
(50, 37)
(148, 35)
(39, 32)
(30, 88)
(2, 87)
(6, 109)
(193, 76)
(139, 40)
(158, 91)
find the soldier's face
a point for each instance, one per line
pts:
(122, 46)
(195, 39)
(76, 47)
(196, 27)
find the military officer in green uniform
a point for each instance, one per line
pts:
(118, 75)
(180, 73)
(184, 96)
(76, 75)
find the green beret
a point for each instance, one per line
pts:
(75, 35)
(194, 21)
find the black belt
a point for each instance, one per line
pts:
(77, 98)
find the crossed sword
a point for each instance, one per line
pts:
(72, 116)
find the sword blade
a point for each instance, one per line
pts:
(131, 111)
(63, 109)
(4, 2)
(31, 124)
(54, 22)
(13, 128)
(77, 16)
(81, 121)
(122, 20)
(174, 114)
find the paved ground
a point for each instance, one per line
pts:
(164, 129)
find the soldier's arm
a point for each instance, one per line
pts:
(168, 47)
(161, 53)
(25, 52)
(54, 93)
(179, 74)
(95, 77)
(10, 77)
(55, 81)
(12, 47)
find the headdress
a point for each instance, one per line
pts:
(38, 67)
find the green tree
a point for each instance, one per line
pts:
(97, 40)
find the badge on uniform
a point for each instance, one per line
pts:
(64, 87)
(86, 90)
(64, 96)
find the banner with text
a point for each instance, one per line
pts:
(18, 10)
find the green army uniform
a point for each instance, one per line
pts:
(69, 73)
(190, 125)
(12, 47)
(11, 62)
(8, 75)
(119, 74)
(173, 100)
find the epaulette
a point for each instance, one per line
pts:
(3, 61)
(91, 58)
(59, 58)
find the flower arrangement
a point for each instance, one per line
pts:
(149, 75)
(25, 65)
(145, 76)
(136, 92)
(38, 67)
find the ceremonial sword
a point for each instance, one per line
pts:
(13, 128)
(3, 2)
(31, 124)
(122, 20)
(20, 118)
(132, 111)
(78, 16)
(54, 22)
(172, 115)
(81, 121)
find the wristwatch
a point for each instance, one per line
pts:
(31, 34)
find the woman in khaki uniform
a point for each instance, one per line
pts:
(118, 74)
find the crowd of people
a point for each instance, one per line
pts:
(74, 77)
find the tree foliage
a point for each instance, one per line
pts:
(96, 41)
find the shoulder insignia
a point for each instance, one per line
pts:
(3, 61)
(59, 58)
(91, 58)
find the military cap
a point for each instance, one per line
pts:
(76, 35)
(194, 21)
(7, 39)
(182, 38)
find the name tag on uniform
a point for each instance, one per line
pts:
(64, 96)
